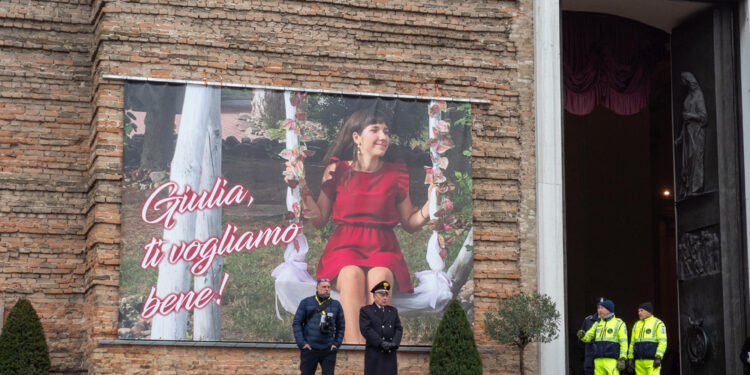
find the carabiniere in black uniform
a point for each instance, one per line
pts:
(381, 327)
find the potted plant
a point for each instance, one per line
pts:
(521, 319)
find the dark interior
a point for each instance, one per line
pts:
(619, 215)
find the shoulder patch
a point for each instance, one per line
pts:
(663, 330)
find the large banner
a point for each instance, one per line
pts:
(236, 200)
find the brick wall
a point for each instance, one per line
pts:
(45, 112)
(143, 360)
(61, 142)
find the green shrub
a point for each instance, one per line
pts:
(453, 350)
(522, 319)
(23, 348)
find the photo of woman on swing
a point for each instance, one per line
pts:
(366, 195)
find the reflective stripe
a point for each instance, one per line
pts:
(643, 328)
(610, 339)
(613, 336)
(649, 339)
(644, 345)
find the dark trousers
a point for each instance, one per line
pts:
(588, 363)
(309, 359)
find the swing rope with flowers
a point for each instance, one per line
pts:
(436, 287)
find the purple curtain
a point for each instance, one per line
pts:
(607, 61)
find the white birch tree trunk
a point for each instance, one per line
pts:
(185, 170)
(258, 105)
(207, 321)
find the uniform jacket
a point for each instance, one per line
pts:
(610, 338)
(308, 332)
(648, 339)
(378, 325)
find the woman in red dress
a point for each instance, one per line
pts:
(368, 196)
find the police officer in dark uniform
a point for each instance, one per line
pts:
(588, 361)
(381, 327)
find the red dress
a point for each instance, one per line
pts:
(364, 207)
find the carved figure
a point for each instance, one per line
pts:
(692, 138)
(698, 254)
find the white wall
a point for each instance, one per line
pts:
(548, 123)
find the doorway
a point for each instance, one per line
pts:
(618, 174)
(713, 316)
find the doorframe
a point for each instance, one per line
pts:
(549, 167)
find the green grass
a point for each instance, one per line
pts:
(420, 330)
(250, 298)
(133, 279)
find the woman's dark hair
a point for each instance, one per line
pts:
(343, 147)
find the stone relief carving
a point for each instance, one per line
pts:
(698, 254)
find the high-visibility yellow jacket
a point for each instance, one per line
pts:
(648, 339)
(610, 338)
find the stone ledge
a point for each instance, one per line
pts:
(263, 345)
